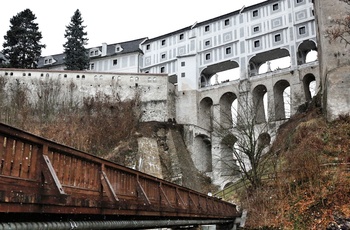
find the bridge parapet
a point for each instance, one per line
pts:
(39, 176)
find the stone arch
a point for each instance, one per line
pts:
(259, 104)
(281, 100)
(228, 184)
(203, 158)
(204, 81)
(226, 110)
(205, 113)
(261, 58)
(307, 83)
(228, 166)
(303, 49)
(215, 70)
(264, 140)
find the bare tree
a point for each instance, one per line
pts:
(341, 29)
(246, 138)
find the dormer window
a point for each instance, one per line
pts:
(94, 52)
(49, 60)
(118, 49)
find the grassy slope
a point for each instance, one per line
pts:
(309, 185)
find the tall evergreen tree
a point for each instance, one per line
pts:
(22, 41)
(76, 55)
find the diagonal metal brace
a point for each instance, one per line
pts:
(108, 187)
(142, 193)
(51, 175)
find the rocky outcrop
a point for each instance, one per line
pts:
(158, 149)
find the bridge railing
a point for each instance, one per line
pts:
(40, 176)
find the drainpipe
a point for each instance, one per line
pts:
(127, 224)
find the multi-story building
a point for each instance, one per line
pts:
(242, 40)
(123, 57)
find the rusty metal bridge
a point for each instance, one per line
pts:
(46, 185)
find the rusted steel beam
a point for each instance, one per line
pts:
(108, 188)
(142, 194)
(50, 175)
(41, 176)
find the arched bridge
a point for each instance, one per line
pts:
(45, 185)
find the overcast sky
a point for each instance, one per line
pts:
(113, 21)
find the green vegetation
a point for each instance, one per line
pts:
(22, 42)
(76, 56)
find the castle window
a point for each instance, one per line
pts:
(277, 37)
(207, 28)
(92, 66)
(275, 7)
(163, 42)
(300, 1)
(227, 22)
(118, 48)
(183, 74)
(163, 56)
(228, 50)
(256, 29)
(207, 57)
(94, 52)
(302, 30)
(183, 63)
(48, 61)
(148, 46)
(115, 62)
(181, 37)
(162, 69)
(207, 43)
(257, 43)
(255, 13)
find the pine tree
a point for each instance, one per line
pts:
(22, 41)
(76, 56)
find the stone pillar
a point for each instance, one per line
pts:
(333, 58)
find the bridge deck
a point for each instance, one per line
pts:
(38, 176)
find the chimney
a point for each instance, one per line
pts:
(104, 49)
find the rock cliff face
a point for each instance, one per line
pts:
(159, 150)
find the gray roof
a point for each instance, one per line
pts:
(127, 47)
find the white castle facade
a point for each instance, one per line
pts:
(175, 72)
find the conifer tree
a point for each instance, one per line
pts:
(22, 41)
(76, 57)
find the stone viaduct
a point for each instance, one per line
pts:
(178, 74)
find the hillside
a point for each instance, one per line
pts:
(308, 185)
